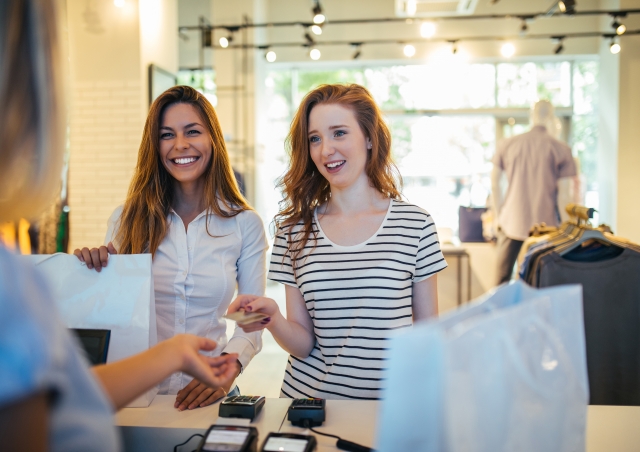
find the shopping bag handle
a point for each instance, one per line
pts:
(58, 254)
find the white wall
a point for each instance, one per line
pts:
(109, 50)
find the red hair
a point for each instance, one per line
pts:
(303, 186)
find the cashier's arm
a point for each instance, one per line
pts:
(424, 299)
(129, 378)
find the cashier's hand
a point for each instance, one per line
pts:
(95, 257)
(253, 303)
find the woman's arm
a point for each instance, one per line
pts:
(424, 300)
(294, 333)
(125, 380)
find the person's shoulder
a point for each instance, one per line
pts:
(116, 214)
(248, 217)
(404, 207)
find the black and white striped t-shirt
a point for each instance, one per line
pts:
(357, 296)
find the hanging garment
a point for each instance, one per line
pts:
(611, 297)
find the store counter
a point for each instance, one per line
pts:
(160, 427)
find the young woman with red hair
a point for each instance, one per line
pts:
(357, 262)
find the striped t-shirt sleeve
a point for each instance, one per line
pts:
(280, 269)
(429, 259)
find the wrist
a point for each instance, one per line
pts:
(276, 321)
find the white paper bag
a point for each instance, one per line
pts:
(120, 298)
(506, 373)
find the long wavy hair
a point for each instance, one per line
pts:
(32, 114)
(143, 223)
(304, 187)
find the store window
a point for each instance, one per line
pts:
(446, 119)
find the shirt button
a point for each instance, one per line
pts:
(181, 321)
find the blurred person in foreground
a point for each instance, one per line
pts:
(49, 398)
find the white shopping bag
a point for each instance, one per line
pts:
(120, 298)
(506, 373)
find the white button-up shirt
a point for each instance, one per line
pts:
(195, 274)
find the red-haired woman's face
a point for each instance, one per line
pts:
(185, 144)
(337, 145)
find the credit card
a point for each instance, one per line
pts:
(243, 317)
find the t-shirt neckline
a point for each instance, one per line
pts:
(359, 245)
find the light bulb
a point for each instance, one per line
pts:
(315, 54)
(270, 56)
(622, 28)
(615, 48)
(409, 50)
(427, 29)
(316, 29)
(224, 42)
(508, 50)
(319, 19)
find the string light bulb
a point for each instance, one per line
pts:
(508, 50)
(270, 56)
(315, 54)
(409, 50)
(316, 29)
(427, 29)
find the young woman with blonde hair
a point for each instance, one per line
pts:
(49, 399)
(185, 208)
(357, 262)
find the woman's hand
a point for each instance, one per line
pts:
(218, 371)
(95, 257)
(197, 395)
(253, 303)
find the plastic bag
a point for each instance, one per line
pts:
(506, 373)
(120, 298)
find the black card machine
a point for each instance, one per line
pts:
(229, 438)
(307, 412)
(246, 407)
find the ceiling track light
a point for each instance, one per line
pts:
(409, 50)
(619, 28)
(316, 29)
(315, 54)
(309, 39)
(357, 50)
(524, 28)
(427, 30)
(318, 16)
(559, 48)
(615, 47)
(567, 6)
(507, 50)
(454, 46)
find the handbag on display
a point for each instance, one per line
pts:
(470, 224)
(506, 373)
(119, 299)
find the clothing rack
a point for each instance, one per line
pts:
(607, 267)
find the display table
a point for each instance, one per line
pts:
(160, 427)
